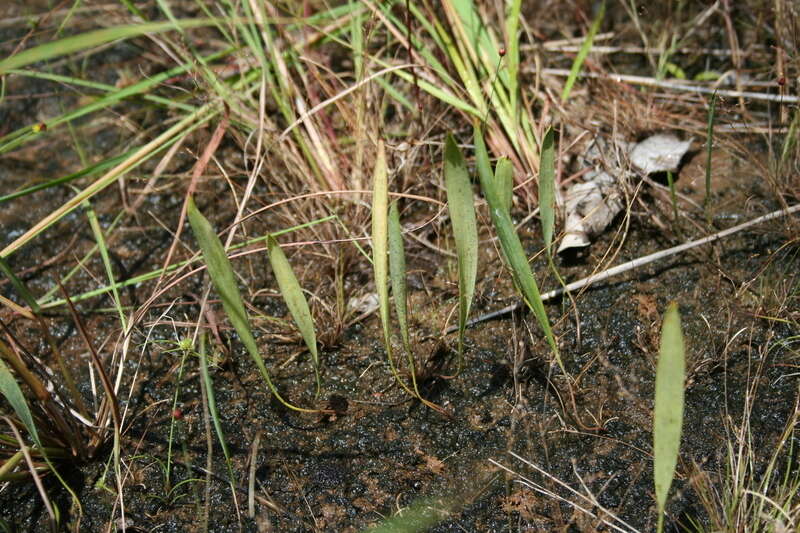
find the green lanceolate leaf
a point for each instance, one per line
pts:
(668, 413)
(221, 273)
(397, 273)
(547, 189)
(510, 243)
(465, 231)
(504, 182)
(295, 300)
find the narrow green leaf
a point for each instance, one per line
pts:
(465, 230)
(221, 273)
(397, 273)
(512, 54)
(511, 245)
(668, 412)
(208, 384)
(9, 388)
(504, 182)
(583, 52)
(86, 40)
(380, 232)
(380, 260)
(547, 189)
(295, 300)
(19, 286)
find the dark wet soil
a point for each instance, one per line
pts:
(380, 451)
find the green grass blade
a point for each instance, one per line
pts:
(19, 286)
(9, 388)
(221, 273)
(709, 146)
(212, 407)
(397, 274)
(583, 52)
(101, 244)
(547, 189)
(86, 40)
(512, 55)
(295, 300)
(465, 230)
(87, 171)
(511, 245)
(668, 412)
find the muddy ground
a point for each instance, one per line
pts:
(380, 452)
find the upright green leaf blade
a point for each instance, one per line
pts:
(295, 300)
(397, 273)
(465, 231)
(668, 412)
(504, 183)
(221, 273)
(511, 245)
(583, 52)
(547, 189)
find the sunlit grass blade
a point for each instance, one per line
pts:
(221, 273)
(668, 411)
(712, 111)
(460, 204)
(397, 274)
(511, 245)
(547, 189)
(295, 300)
(583, 52)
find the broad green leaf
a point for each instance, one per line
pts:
(465, 230)
(583, 52)
(668, 412)
(511, 245)
(221, 273)
(397, 273)
(547, 189)
(295, 300)
(13, 394)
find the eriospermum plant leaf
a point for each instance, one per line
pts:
(668, 413)
(465, 231)
(295, 300)
(221, 273)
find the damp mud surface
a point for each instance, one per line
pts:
(377, 452)
(517, 445)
